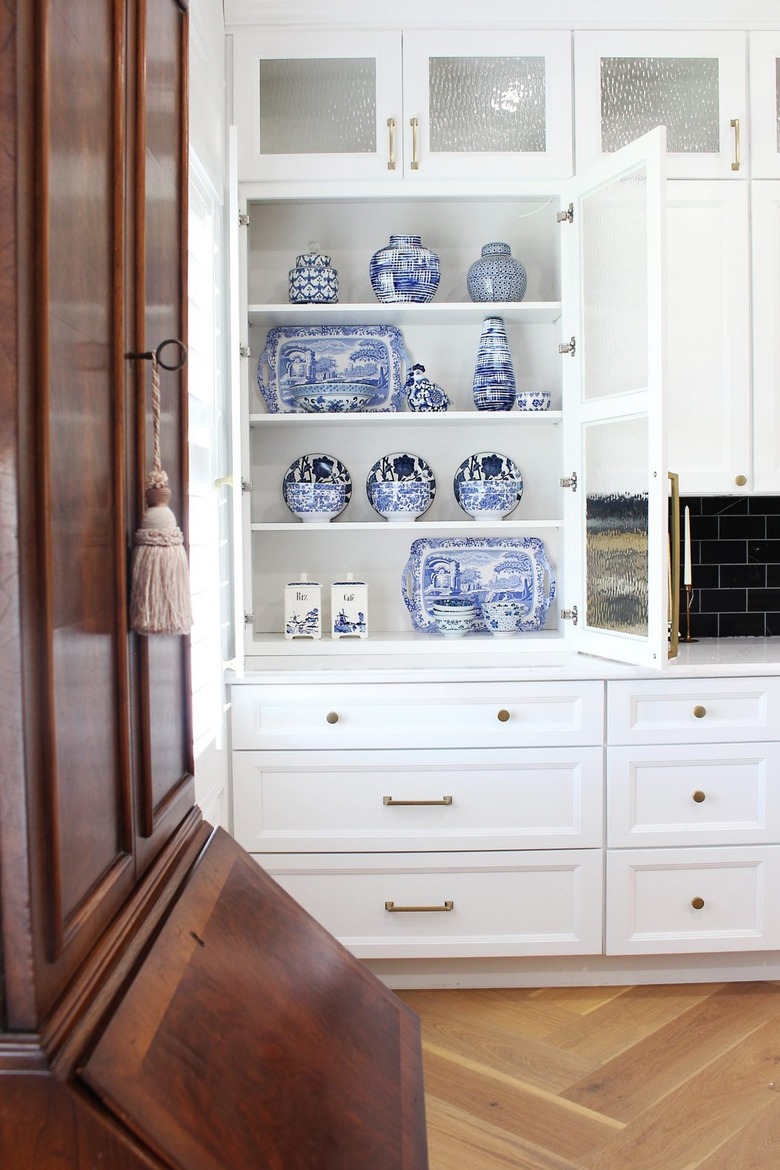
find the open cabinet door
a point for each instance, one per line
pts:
(238, 343)
(617, 546)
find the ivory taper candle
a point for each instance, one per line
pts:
(687, 573)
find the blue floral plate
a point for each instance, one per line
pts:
(307, 355)
(473, 567)
(318, 468)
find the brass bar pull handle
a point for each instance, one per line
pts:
(697, 903)
(415, 125)
(699, 797)
(735, 127)
(332, 717)
(391, 802)
(393, 909)
(699, 711)
(391, 144)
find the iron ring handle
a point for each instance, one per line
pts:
(149, 354)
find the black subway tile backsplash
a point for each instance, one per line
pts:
(735, 560)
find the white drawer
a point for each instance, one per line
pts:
(666, 901)
(356, 800)
(720, 794)
(693, 710)
(501, 903)
(416, 715)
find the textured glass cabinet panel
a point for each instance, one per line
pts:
(616, 525)
(318, 106)
(487, 104)
(681, 93)
(614, 287)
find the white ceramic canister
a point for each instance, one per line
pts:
(349, 608)
(303, 608)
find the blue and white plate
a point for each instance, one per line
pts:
(303, 355)
(487, 465)
(400, 465)
(484, 485)
(474, 567)
(318, 468)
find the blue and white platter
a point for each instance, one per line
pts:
(473, 567)
(312, 356)
(318, 467)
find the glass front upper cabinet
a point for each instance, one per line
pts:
(382, 105)
(764, 68)
(693, 83)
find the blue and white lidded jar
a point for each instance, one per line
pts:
(312, 281)
(404, 271)
(349, 608)
(494, 385)
(496, 276)
(303, 608)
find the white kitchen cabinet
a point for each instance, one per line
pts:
(765, 207)
(615, 436)
(693, 82)
(708, 336)
(693, 816)
(764, 66)
(388, 106)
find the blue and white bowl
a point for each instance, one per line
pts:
(332, 397)
(454, 616)
(503, 618)
(399, 500)
(315, 503)
(534, 399)
(489, 499)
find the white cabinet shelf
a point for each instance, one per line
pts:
(434, 313)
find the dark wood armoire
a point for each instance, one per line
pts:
(162, 1003)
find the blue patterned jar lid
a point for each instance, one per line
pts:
(496, 249)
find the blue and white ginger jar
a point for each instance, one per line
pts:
(422, 394)
(404, 271)
(496, 276)
(312, 281)
(494, 385)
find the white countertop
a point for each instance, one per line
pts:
(708, 658)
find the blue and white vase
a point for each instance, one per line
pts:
(404, 271)
(494, 376)
(496, 276)
(312, 281)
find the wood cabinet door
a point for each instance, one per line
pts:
(106, 735)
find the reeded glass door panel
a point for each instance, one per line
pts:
(485, 104)
(318, 106)
(614, 282)
(681, 93)
(616, 526)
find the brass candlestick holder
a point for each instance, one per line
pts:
(687, 637)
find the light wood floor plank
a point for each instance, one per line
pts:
(458, 1142)
(755, 1147)
(670, 1056)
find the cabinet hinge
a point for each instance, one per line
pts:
(244, 351)
(246, 485)
(243, 219)
(570, 615)
(566, 216)
(570, 481)
(569, 347)
(249, 619)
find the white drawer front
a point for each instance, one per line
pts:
(355, 801)
(724, 794)
(501, 903)
(693, 710)
(400, 715)
(663, 901)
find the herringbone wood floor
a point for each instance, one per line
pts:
(683, 1077)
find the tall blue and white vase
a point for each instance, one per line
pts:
(496, 276)
(494, 376)
(404, 271)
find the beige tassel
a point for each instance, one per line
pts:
(160, 599)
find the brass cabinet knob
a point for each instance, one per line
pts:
(699, 711)
(740, 480)
(332, 717)
(699, 797)
(503, 715)
(697, 903)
